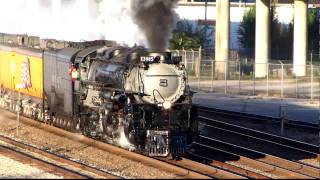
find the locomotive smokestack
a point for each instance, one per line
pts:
(155, 19)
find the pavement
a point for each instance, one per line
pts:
(295, 109)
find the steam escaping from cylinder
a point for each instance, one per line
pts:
(155, 19)
(122, 141)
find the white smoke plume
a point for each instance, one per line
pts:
(129, 22)
(155, 19)
(118, 23)
(71, 20)
(59, 19)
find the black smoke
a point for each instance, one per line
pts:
(155, 18)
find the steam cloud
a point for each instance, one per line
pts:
(155, 19)
(129, 22)
(69, 20)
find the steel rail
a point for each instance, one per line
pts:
(203, 168)
(227, 167)
(57, 158)
(41, 164)
(259, 135)
(292, 168)
(263, 146)
(178, 171)
(261, 167)
(254, 117)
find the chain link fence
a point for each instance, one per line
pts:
(238, 77)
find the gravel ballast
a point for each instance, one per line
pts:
(77, 151)
(11, 169)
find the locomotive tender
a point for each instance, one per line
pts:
(124, 96)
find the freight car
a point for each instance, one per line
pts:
(124, 96)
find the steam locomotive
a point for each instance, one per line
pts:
(124, 96)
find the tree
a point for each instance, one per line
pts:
(246, 31)
(281, 38)
(281, 35)
(313, 31)
(188, 36)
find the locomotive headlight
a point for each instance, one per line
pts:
(167, 105)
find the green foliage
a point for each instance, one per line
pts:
(281, 38)
(247, 29)
(98, 1)
(187, 37)
(281, 35)
(313, 31)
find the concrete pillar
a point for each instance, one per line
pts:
(222, 36)
(300, 42)
(262, 47)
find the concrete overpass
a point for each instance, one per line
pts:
(262, 49)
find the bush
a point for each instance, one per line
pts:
(186, 36)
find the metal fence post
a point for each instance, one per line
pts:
(311, 95)
(245, 104)
(185, 57)
(199, 67)
(192, 59)
(297, 90)
(282, 72)
(282, 116)
(212, 74)
(225, 77)
(254, 79)
(239, 88)
(18, 108)
(267, 79)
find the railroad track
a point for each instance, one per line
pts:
(255, 168)
(257, 118)
(292, 146)
(180, 169)
(189, 167)
(60, 163)
(268, 150)
(264, 164)
(226, 166)
(40, 164)
(207, 169)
